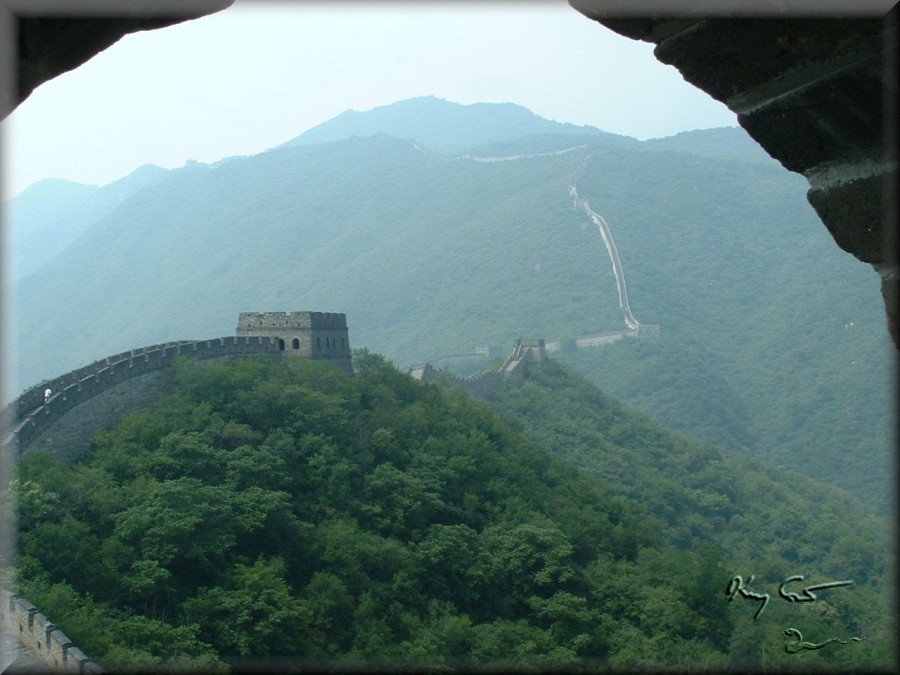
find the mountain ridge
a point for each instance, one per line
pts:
(431, 253)
(43, 221)
(442, 125)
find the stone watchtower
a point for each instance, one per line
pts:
(311, 335)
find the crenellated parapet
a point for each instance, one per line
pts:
(310, 335)
(484, 384)
(89, 399)
(56, 652)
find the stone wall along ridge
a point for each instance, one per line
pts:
(29, 416)
(486, 383)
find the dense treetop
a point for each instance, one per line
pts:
(273, 510)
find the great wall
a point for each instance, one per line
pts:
(86, 400)
(89, 399)
(130, 381)
(37, 644)
(489, 381)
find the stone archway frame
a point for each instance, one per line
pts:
(41, 39)
(814, 83)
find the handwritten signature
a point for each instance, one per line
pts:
(796, 643)
(736, 585)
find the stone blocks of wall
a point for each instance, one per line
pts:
(68, 435)
(42, 637)
(483, 384)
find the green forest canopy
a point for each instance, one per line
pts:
(274, 510)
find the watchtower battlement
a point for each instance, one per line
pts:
(311, 335)
(91, 398)
(267, 320)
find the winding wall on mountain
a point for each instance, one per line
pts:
(608, 241)
(88, 399)
(630, 321)
(484, 384)
(487, 382)
(105, 390)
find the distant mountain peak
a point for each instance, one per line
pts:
(441, 125)
(51, 187)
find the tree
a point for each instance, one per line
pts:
(256, 614)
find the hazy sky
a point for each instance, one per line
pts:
(260, 73)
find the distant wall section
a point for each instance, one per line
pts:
(484, 384)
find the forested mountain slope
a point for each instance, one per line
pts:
(759, 516)
(276, 513)
(790, 366)
(772, 339)
(53, 213)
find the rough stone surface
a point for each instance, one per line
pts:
(852, 213)
(811, 91)
(818, 94)
(51, 40)
(714, 54)
(838, 118)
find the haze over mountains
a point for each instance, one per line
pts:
(772, 339)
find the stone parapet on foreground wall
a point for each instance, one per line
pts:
(22, 620)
